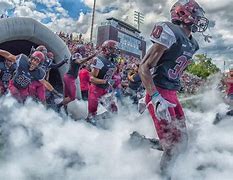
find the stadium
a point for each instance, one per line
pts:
(115, 90)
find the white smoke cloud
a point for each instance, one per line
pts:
(40, 144)
(37, 143)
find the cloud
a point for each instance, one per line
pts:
(34, 151)
(62, 11)
(48, 3)
(29, 11)
(4, 5)
(218, 12)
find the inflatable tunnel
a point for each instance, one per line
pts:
(19, 34)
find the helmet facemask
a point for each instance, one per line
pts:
(36, 59)
(200, 23)
(113, 53)
(110, 50)
(34, 62)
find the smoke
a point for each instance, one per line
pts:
(37, 143)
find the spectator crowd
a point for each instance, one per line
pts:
(190, 84)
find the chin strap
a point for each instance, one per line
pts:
(207, 37)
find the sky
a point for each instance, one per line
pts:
(75, 16)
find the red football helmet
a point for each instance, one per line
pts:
(81, 49)
(110, 48)
(190, 13)
(38, 56)
(42, 49)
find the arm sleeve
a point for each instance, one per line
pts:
(1, 65)
(162, 34)
(56, 66)
(41, 75)
(18, 60)
(136, 78)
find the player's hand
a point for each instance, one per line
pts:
(66, 59)
(161, 106)
(142, 105)
(32, 50)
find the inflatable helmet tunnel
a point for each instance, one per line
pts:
(19, 34)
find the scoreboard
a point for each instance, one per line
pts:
(128, 37)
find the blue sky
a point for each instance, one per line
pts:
(74, 7)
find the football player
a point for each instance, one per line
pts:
(172, 51)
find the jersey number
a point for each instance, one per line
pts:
(109, 73)
(176, 72)
(6, 77)
(157, 31)
(23, 81)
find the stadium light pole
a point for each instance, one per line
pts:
(92, 20)
(224, 65)
(138, 18)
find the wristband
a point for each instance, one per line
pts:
(155, 94)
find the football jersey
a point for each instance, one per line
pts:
(23, 76)
(180, 49)
(106, 69)
(6, 72)
(74, 67)
(46, 64)
(136, 83)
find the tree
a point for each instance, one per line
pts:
(202, 66)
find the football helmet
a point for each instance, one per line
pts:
(42, 49)
(110, 49)
(81, 49)
(39, 56)
(190, 13)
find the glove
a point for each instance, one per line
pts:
(32, 50)
(161, 106)
(142, 105)
(66, 59)
(56, 93)
(111, 82)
